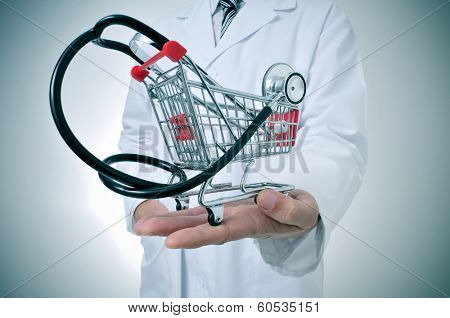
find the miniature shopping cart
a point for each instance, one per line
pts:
(200, 120)
(204, 125)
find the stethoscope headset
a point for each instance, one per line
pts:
(115, 179)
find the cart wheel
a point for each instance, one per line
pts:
(182, 203)
(178, 207)
(212, 219)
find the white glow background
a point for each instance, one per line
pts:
(51, 202)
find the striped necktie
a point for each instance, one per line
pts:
(230, 10)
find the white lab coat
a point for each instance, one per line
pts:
(316, 39)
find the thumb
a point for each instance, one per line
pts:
(284, 209)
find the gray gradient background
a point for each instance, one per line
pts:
(51, 202)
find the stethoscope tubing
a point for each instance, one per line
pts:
(115, 179)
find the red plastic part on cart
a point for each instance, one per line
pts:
(172, 49)
(183, 131)
(290, 121)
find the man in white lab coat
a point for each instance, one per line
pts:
(274, 248)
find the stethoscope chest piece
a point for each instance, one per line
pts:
(280, 77)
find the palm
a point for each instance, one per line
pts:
(190, 228)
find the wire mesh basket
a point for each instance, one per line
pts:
(200, 121)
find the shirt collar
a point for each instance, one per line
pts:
(214, 4)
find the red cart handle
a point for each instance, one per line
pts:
(172, 49)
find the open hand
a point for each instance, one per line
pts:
(274, 216)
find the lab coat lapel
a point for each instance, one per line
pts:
(199, 29)
(253, 16)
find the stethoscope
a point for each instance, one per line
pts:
(115, 179)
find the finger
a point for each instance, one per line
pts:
(198, 210)
(240, 202)
(188, 212)
(155, 224)
(235, 226)
(287, 210)
(304, 197)
(165, 225)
